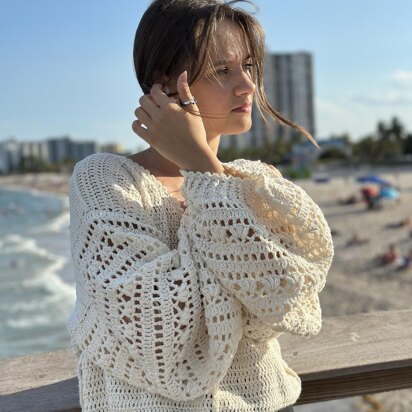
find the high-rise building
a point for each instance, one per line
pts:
(10, 155)
(60, 149)
(64, 148)
(38, 150)
(288, 83)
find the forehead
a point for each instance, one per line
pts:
(231, 43)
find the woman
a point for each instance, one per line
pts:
(188, 269)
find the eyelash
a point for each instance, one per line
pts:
(225, 70)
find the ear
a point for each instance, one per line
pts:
(169, 85)
(161, 79)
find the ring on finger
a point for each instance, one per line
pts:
(192, 100)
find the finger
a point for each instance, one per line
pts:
(141, 131)
(160, 98)
(184, 91)
(141, 115)
(148, 105)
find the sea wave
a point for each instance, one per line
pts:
(14, 243)
(37, 290)
(56, 225)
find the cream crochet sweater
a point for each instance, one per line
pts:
(180, 309)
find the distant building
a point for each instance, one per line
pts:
(10, 155)
(80, 150)
(305, 153)
(116, 148)
(38, 150)
(60, 148)
(290, 91)
(53, 150)
(64, 148)
(288, 83)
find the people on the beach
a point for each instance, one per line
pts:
(371, 197)
(355, 240)
(406, 222)
(405, 261)
(350, 200)
(390, 256)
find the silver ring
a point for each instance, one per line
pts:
(189, 101)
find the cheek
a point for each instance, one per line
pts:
(212, 98)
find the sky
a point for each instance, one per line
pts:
(66, 65)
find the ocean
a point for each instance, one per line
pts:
(37, 289)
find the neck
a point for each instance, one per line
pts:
(164, 165)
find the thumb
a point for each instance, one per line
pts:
(183, 90)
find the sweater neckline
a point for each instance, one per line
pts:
(159, 184)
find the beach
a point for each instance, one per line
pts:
(55, 183)
(37, 290)
(356, 283)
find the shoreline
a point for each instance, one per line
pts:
(53, 184)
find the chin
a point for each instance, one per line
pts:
(239, 128)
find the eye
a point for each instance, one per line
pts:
(249, 67)
(222, 71)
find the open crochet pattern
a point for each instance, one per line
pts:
(182, 307)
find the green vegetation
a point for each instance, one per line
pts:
(271, 152)
(32, 164)
(390, 144)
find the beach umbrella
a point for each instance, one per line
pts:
(374, 179)
(389, 193)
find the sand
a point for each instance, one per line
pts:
(55, 183)
(355, 283)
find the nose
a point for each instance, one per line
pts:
(244, 85)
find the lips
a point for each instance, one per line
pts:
(245, 108)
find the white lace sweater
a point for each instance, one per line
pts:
(180, 309)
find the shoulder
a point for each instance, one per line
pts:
(104, 177)
(106, 167)
(98, 162)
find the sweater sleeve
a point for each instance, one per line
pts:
(144, 313)
(264, 239)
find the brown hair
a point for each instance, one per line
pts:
(177, 35)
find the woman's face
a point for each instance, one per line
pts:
(229, 98)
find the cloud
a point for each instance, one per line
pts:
(386, 98)
(396, 92)
(401, 79)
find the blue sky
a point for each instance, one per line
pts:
(66, 65)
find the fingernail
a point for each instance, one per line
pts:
(184, 76)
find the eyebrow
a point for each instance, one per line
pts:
(222, 62)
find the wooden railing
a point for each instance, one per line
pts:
(352, 355)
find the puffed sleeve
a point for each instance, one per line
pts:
(264, 239)
(147, 314)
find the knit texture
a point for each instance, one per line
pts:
(180, 309)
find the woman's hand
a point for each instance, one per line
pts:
(174, 132)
